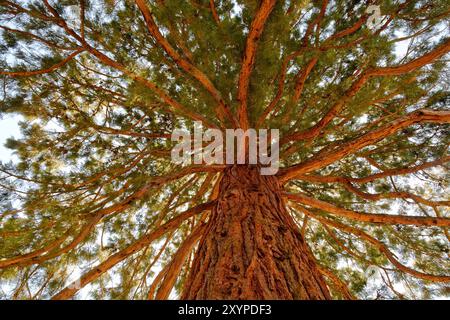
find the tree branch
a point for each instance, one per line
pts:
(214, 12)
(339, 284)
(223, 111)
(256, 29)
(368, 217)
(339, 150)
(43, 71)
(177, 263)
(381, 247)
(380, 175)
(144, 241)
(358, 84)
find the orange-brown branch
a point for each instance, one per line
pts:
(43, 71)
(381, 247)
(143, 242)
(177, 263)
(214, 11)
(256, 29)
(380, 175)
(338, 151)
(223, 110)
(359, 83)
(369, 217)
(151, 85)
(338, 283)
(393, 195)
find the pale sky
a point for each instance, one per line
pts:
(9, 127)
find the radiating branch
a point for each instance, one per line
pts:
(380, 246)
(338, 151)
(178, 259)
(143, 242)
(368, 217)
(46, 70)
(248, 61)
(223, 110)
(360, 82)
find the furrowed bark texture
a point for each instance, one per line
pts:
(252, 248)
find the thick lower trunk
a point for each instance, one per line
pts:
(252, 248)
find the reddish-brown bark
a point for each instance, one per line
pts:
(252, 249)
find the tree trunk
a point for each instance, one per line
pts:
(252, 249)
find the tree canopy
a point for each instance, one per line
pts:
(100, 86)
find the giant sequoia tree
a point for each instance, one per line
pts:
(94, 203)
